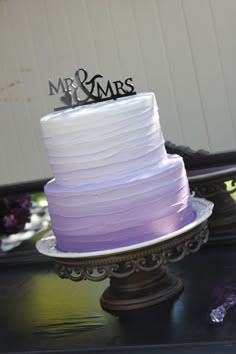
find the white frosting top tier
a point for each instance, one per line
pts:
(104, 141)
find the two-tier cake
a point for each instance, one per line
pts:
(114, 184)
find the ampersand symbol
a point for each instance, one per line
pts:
(81, 84)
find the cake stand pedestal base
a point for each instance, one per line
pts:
(140, 290)
(138, 278)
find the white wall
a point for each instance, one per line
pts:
(184, 51)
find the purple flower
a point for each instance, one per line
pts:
(14, 213)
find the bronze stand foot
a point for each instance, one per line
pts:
(140, 290)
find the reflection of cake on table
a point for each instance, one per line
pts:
(114, 183)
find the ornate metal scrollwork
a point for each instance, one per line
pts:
(85, 272)
(192, 245)
(186, 152)
(211, 188)
(124, 265)
(232, 185)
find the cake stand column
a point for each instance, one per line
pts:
(141, 289)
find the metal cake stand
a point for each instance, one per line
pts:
(138, 276)
(212, 185)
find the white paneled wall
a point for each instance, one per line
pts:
(183, 50)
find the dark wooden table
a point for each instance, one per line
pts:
(41, 313)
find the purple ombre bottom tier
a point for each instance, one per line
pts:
(122, 212)
(126, 237)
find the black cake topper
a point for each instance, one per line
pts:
(80, 90)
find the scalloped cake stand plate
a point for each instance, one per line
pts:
(47, 245)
